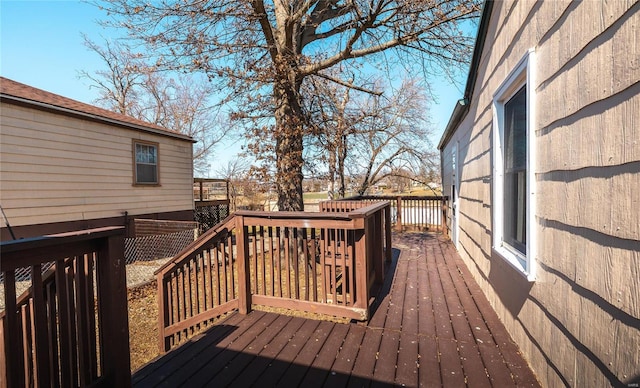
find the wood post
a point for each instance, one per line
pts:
(12, 341)
(399, 214)
(361, 270)
(244, 285)
(443, 217)
(114, 321)
(387, 233)
(163, 314)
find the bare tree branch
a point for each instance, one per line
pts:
(259, 54)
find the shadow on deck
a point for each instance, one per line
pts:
(432, 326)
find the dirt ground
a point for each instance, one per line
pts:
(143, 324)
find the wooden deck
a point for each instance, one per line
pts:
(432, 327)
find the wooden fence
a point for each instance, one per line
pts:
(69, 327)
(322, 263)
(412, 213)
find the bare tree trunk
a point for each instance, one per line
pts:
(342, 156)
(332, 175)
(288, 135)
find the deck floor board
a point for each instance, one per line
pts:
(432, 326)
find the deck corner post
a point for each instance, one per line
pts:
(361, 270)
(13, 366)
(387, 233)
(244, 285)
(114, 321)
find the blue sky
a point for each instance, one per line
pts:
(41, 46)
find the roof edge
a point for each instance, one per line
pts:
(93, 117)
(462, 106)
(17, 93)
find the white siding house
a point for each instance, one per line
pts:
(541, 160)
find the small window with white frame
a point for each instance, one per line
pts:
(145, 158)
(513, 162)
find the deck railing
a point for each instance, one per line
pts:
(413, 212)
(69, 327)
(322, 263)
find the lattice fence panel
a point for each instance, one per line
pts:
(146, 248)
(209, 216)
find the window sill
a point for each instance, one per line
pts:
(515, 260)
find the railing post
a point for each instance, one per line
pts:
(163, 314)
(244, 286)
(399, 214)
(13, 359)
(362, 272)
(443, 217)
(114, 321)
(387, 232)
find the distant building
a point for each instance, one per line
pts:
(541, 161)
(66, 165)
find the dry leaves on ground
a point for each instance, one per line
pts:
(143, 324)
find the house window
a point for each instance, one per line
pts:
(513, 178)
(145, 163)
(515, 171)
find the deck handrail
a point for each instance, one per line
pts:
(57, 333)
(315, 262)
(226, 224)
(426, 212)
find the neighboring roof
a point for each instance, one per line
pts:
(462, 106)
(18, 93)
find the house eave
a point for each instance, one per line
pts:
(462, 106)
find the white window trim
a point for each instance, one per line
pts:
(523, 73)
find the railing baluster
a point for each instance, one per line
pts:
(251, 237)
(305, 262)
(287, 258)
(343, 254)
(324, 236)
(314, 250)
(295, 258)
(334, 259)
(272, 258)
(263, 260)
(224, 260)
(206, 278)
(216, 274)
